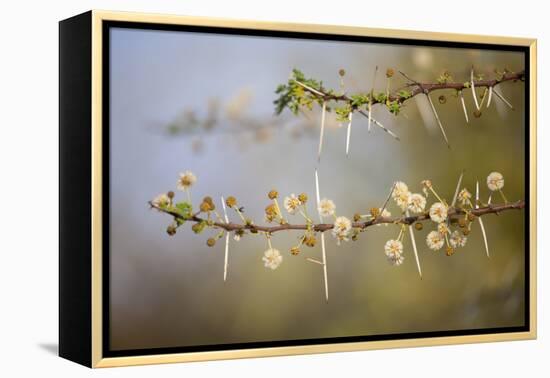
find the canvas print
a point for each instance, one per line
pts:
(289, 189)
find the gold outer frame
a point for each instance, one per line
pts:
(97, 354)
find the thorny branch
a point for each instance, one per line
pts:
(453, 213)
(417, 88)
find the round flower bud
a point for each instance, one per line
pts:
(302, 198)
(449, 251)
(273, 194)
(231, 201)
(419, 226)
(462, 222)
(171, 230)
(375, 212)
(477, 113)
(471, 217)
(310, 241)
(170, 194)
(442, 99)
(205, 207)
(211, 242)
(390, 72)
(342, 72)
(356, 217)
(465, 232)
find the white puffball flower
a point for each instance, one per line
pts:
(464, 197)
(401, 195)
(272, 258)
(394, 252)
(495, 181)
(161, 200)
(435, 240)
(396, 259)
(417, 203)
(438, 212)
(457, 239)
(326, 207)
(186, 180)
(291, 203)
(342, 227)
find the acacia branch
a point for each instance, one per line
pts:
(418, 88)
(453, 213)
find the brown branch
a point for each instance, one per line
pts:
(453, 213)
(422, 88)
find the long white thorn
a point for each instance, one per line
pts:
(499, 95)
(490, 97)
(464, 107)
(457, 188)
(438, 120)
(481, 225)
(323, 249)
(473, 87)
(413, 241)
(370, 115)
(348, 133)
(314, 261)
(226, 258)
(321, 135)
(379, 125)
(309, 88)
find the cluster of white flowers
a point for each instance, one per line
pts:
(401, 195)
(161, 200)
(495, 181)
(438, 212)
(272, 258)
(415, 202)
(394, 252)
(326, 207)
(435, 240)
(291, 203)
(186, 180)
(341, 230)
(457, 239)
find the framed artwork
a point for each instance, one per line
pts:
(235, 189)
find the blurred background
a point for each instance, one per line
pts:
(202, 102)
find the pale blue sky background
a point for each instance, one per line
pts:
(170, 292)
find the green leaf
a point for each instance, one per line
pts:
(405, 94)
(184, 209)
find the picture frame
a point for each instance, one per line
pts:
(84, 262)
